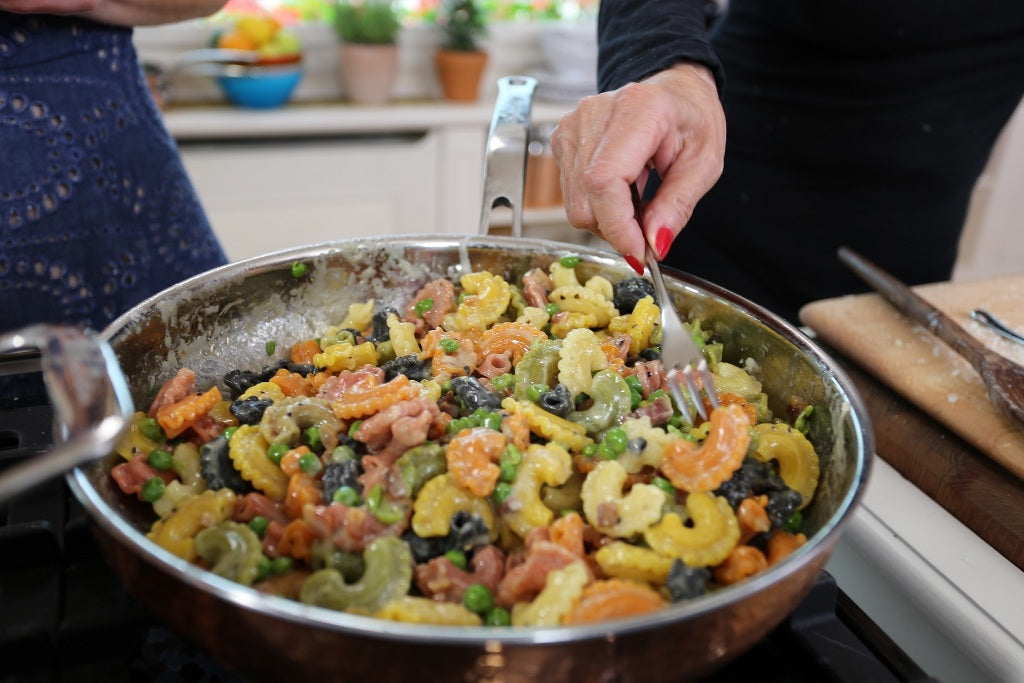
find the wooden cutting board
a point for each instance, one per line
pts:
(915, 364)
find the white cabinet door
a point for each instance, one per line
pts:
(266, 195)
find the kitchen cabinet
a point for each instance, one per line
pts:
(309, 173)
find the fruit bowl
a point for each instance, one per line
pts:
(260, 86)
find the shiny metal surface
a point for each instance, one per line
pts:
(90, 396)
(221, 320)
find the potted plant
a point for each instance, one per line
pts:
(368, 50)
(460, 61)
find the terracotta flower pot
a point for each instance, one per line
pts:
(460, 73)
(368, 72)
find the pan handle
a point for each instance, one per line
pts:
(505, 159)
(90, 397)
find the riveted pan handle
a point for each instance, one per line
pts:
(505, 159)
(89, 394)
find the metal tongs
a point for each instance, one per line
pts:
(679, 353)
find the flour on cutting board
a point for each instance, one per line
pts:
(919, 366)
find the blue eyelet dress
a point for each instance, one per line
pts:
(96, 210)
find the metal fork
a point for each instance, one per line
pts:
(679, 353)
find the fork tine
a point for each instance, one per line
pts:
(698, 381)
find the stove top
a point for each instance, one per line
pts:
(65, 617)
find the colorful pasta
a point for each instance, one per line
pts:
(497, 451)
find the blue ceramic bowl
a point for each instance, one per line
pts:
(257, 87)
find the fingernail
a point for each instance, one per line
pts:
(663, 241)
(635, 265)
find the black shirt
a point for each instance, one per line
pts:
(857, 122)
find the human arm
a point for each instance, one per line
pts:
(120, 12)
(672, 119)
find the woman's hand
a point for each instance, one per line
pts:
(673, 122)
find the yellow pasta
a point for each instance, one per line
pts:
(714, 534)
(416, 610)
(639, 324)
(439, 499)
(177, 532)
(345, 356)
(531, 315)
(248, 451)
(580, 357)
(263, 390)
(561, 591)
(616, 514)
(553, 428)
(359, 316)
(562, 276)
(623, 560)
(585, 300)
(487, 298)
(654, 440)
(798, 463)
(403, 337)
(542, 465)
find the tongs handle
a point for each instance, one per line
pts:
(505, 158)
(88, 391)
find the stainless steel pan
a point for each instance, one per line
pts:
(222, 320)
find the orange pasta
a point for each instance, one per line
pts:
(177, 417)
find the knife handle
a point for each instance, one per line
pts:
(908, 302)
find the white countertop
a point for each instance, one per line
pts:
(945, 596)
(223, 122)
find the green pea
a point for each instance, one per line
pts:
(507, 471)
(665, 485)
(605, 453)
(152, 430)
(299, 269)
(497, 616)
(230, 432)
(259, 525)
(616, 440)
(309, 463)
(311, 437)
(794, 523)
(590, 450)
(503, 382)
(656, 395)
(153, 489)
(512, 454)
(456, 557)
(458, 424)
(276, 451)
(423, 305)
(280, 565)
(449, 345)
(551, 309)
(634, 382)
(502, 490)
(354, 427)
(478, 598)
(160, 459)
(262, 569)
(347, 496)
(570, 261)
(492, 421)
(535, 391)
(634, 398)
(271, 346)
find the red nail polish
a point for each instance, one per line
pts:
(663, 241)
(635, 265)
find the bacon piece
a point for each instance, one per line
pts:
(523, 581)
(658, 410)
(350, 528)
(441, 580)
(131, 475)
(536, 286)
(256, 504)
(443, 294)
(175, 389)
